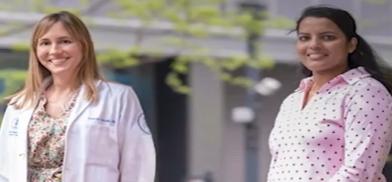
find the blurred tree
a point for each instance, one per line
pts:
(200, 19)
(11, 80)
(188, 19)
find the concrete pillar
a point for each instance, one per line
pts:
(215, 143)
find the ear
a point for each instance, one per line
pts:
(352, 45)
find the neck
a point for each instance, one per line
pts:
(60, 93)
(319, 79)
(61, 85)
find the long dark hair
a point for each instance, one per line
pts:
(363, 55)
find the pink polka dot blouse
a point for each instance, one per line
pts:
(343, 134)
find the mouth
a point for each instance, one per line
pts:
(58, 61)
(316, 56)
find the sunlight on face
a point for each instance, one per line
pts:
(59, 52)
(322, 47)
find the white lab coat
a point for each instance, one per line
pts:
(105, 141)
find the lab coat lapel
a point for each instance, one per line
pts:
(22, 123)
(80, 104)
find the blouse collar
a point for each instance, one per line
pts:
(350, 77)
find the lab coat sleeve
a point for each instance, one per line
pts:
(137, 153)
(3, 147)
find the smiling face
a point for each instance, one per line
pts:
(322, 46)
(59, 52)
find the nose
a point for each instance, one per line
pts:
(55, 49)
(314, 43)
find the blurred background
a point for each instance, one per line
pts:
(210, 74)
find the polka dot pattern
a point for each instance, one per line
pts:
(342, 134)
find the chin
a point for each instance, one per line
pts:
(60, 72)
(315, 67)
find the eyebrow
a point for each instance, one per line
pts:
(328, 32)
(57, 38)
(322, 33)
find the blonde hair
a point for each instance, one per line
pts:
(87, 74)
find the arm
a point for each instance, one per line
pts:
(368, 128)
(137, 153)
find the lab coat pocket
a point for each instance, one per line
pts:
(101, 145)
(100, 173)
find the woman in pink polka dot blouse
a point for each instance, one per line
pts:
(337, 125)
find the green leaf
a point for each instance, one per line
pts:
(211, 63)
(280, 23)
(173, 80)
(12, 79)
(264, 62)
(225, 76)
(219, 21)
(117, 59)
(180, 67)
(172, 15)
(155, 5)
(197, 30)
(233, 63)
(201, 14)
(242, 82)
(22, 47)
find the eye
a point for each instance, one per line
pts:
(328, 37)
(44, 43)
(66, 41)
(303, 38)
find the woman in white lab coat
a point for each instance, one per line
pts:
(68, 125)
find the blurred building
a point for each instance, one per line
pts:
(195, 135)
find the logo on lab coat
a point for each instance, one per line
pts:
(13, 129)
(141, 122)
(103, 121)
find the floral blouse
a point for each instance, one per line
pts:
(46, 136)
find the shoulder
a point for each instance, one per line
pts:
(369, 85)
(13, 111)
(114, 89)
(16, 103)
(359, 79)
(370, 92)
(109, 86)
(294, 96)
